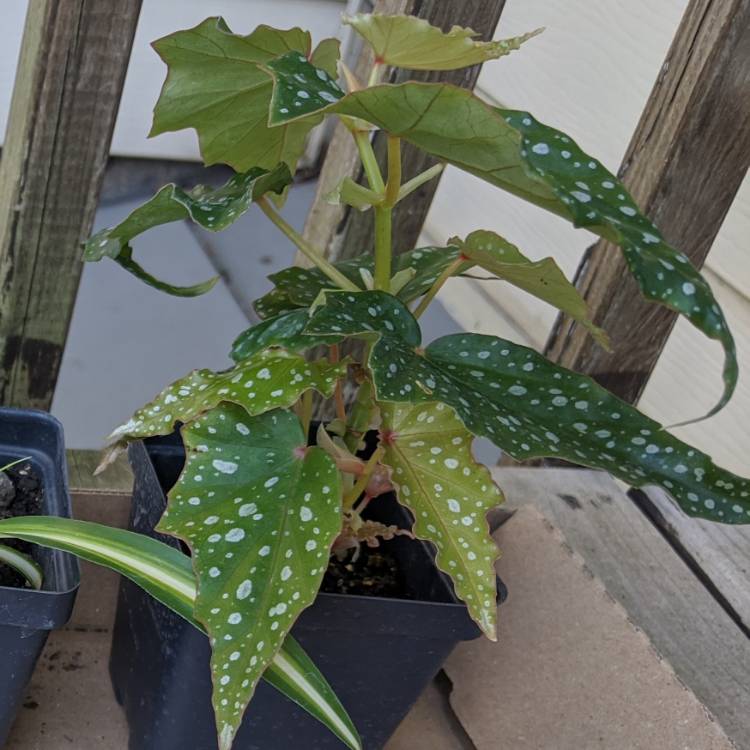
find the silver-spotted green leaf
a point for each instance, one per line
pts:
(365, 314)
(300, 88)
(515, 152)
(285, 331)
(415, 44)
(211, 208)
(269, 380)
(215, 84)
(594, 198)
(532, 408)
(542, 278)
(301, 286)
(260, 511)
(167, 574)
(429, 451)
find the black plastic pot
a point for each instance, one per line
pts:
(27, 616)
(377, 653)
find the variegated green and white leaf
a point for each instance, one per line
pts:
(366, 314)
(215, 84)
(415, 44)
(515, 152)
(260, 512)
(531, 408)
(211, 208)
(300, 287)
(269, 380)
(167, 574)
(429, 451)
(25, 565)
(283, 331)
(542, 278)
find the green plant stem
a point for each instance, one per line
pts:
(359, 486)
(419, 180)
(359, 416)
(306, 248)
(435, 288)
(23, 564)
(14, 463)
(374, 78)
(383, 230)
(369, 161)
(394, 171)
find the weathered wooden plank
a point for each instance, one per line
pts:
(719, 554)
(686, 625)
(116, 480)
(65, 100)
(684, 165)
(347, 233)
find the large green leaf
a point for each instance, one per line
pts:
(211, 208)
(300, 287)
(514, 151)
(167, 574)
(429, 451)
(216, 86)
(413, 43)
(268, 380)
(542, 278)
(260, 511)
(532, 408)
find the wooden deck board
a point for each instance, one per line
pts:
(706, 648)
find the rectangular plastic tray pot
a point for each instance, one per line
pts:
(377, 653)
(27, 616)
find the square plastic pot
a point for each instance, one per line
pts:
(377, 653)
(27, 616)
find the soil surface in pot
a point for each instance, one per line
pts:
(371, 573)
(20, 495)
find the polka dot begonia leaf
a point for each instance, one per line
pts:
(366, 314)
(215, 84)
(542, 278)
(429, 452)
(283, 331)
(210, 208)
(268, 380)
(260, 511)
(301, 286)
(531, 408)
(415, 44)
(519, 154)
(593, 197)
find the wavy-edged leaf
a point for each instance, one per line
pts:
(283, 330)
(436, 477)
(594, 198)
(215, 85)
(531, 408)
(211, 208)
(23, 564)
(300, 287)
(260, 512)
(365, 314)
(542, 278)
(415, 44)
(269, 380)
(515, 152)
(167, 574)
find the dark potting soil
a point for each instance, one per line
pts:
(20, 495)
(371, 573)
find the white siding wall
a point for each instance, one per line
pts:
(590, 74)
